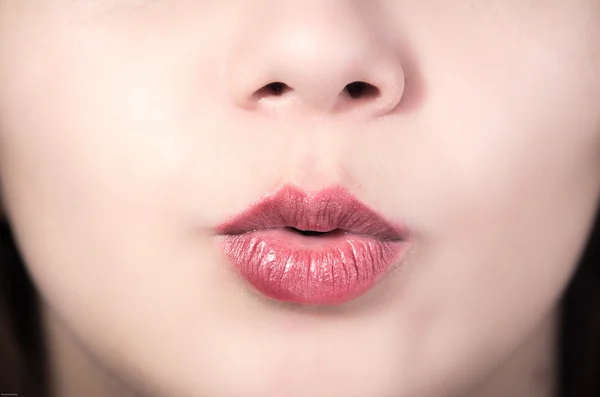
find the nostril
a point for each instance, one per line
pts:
(360, 89)
(272, 89)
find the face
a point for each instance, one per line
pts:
(130, 130)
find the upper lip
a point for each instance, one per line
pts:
(324, 211)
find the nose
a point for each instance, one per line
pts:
(328, 56)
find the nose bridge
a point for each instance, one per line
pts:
(322, 53)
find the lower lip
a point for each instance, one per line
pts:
(327, 270)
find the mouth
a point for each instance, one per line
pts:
(310, 233)
(324, 248)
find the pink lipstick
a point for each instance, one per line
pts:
(325, 248)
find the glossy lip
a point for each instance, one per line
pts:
(358, 249)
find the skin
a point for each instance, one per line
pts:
(129, 129)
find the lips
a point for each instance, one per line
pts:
(325, 248)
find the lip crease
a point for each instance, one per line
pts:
(323, 248)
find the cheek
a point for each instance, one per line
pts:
(502, 170)
(102, 181)
(507, 211)
(87, 168)
(92, 130)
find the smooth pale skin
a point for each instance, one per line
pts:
(129, 129)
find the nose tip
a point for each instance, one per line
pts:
(325, 60)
